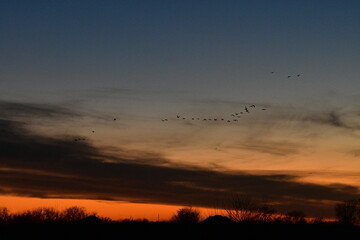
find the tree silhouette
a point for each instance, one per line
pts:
(348, 212)
(244, 208)
(295, 217)
(4, 215)
(186, 215)
(74, 214)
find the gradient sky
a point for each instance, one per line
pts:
(68, 68)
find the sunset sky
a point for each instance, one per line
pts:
(69, 68)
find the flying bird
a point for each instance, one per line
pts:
(272, 72)
(246, 109)
(289, 76)
(177, 116)
(298, 75)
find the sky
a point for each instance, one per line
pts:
(68, 69)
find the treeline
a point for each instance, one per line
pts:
(244, 219)
(48, 215)
(240, 209)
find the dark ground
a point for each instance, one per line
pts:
(164, 230)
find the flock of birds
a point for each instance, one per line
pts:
(234, 116)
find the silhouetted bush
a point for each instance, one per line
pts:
(217, 220)
(348, 212)
(38, 215)
(186, 215)
(295, 217)
(4, 215)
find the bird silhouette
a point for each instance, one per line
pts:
(298, 75)
(246, 109)
(272, 72)
(177, 116)
(114, 119)
(288, 76)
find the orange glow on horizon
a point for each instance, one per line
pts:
(111, 209)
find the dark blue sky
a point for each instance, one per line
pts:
(212, 46)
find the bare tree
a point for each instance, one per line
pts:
(186, 215)
(74, 214)
(295, 216)
(43, 214)
(244, 208)
(348, 212)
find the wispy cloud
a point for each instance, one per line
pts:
(21, 109)
(43, 166)
(277, 148)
